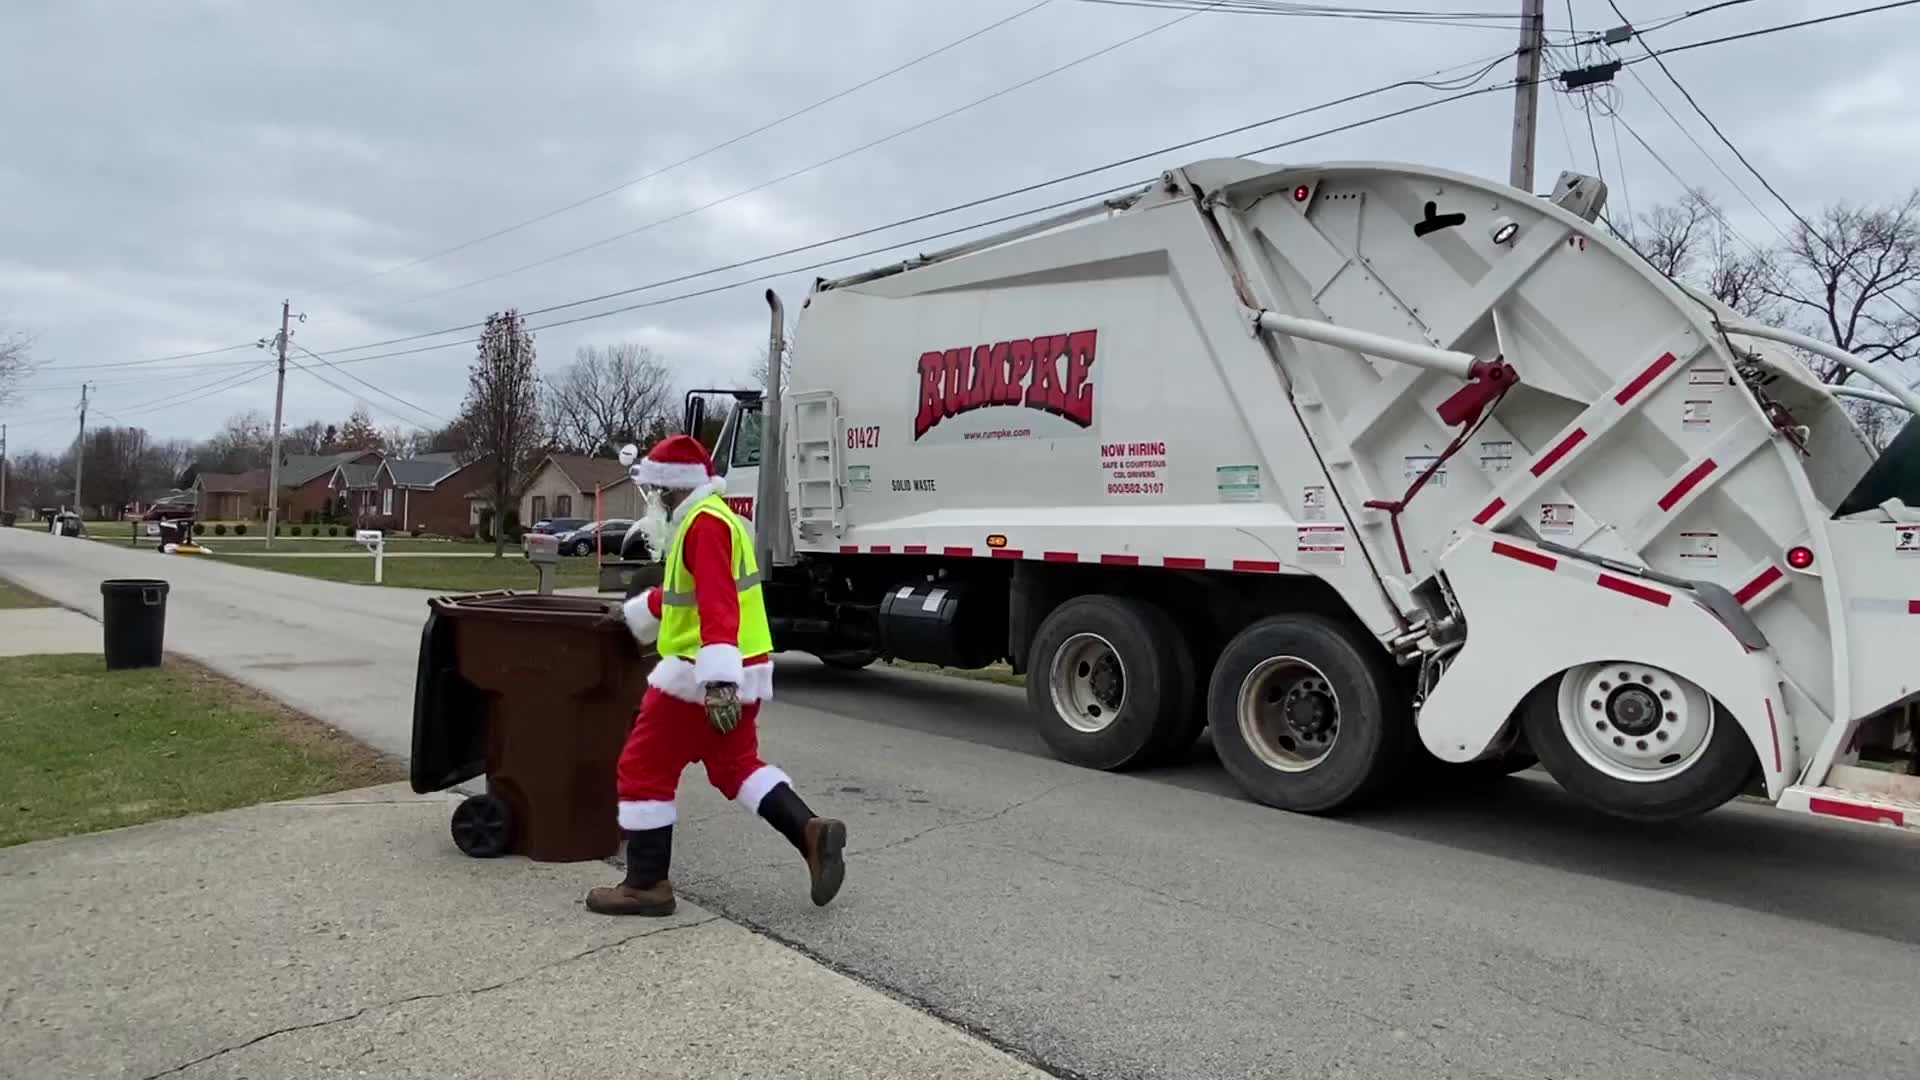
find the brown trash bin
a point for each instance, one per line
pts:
(538, 693)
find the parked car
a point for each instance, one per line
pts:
(580, 541)
(167, 511)
(558, 526)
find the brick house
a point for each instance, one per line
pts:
(564, 486)
(231, 496)
(306, 482)
(354, 486)
(433, 492)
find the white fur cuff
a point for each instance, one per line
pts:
(682, 476)
(759, 782)
(645, 628)
(640, 816)
(717, 664)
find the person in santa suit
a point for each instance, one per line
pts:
(709, 624)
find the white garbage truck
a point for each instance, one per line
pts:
(1363, 469)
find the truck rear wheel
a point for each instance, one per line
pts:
(1637, 741)
(1111, 682)
(1306, 714)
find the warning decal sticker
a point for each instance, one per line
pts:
(1906, 539)
(1696, 414)
(1556, 519)
(1313, 502)
(1700, 546)
(1321, 545)
(1238, 483)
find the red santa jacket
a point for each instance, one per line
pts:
(707, 553)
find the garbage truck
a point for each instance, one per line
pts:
(1366, 470)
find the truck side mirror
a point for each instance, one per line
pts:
(696, 415)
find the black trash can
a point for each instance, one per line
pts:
(133, 612)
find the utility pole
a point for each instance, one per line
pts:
(3, 468)
(80, 457)
(279, 398)
(1526, 92)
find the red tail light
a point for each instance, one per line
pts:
(1800, 558)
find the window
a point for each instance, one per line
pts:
(562, 506)
(386, 501)
(539, 508)
(746, 438)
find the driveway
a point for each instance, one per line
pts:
(1159, 925)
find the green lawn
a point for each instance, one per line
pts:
(13, 596)
(84, 749)
(111, 533)
(510, 571)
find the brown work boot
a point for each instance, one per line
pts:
(655, 900)
(826, 840)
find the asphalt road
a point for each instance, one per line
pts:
(1158, 925)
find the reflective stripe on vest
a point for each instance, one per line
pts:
(680, 615)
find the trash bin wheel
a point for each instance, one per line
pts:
(483, 826)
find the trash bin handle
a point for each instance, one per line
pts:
(150, 596)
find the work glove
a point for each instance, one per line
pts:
(723, 707)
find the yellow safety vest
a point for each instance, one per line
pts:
(680, 616)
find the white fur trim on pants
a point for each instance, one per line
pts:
(675, 677)
(717, 664)
(645, 628)
(758, 783)
(682, 475)
(648, 814)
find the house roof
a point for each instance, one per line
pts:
(421, 470)
(587, 473)
(253, 481)
(355, 475)
(297, 469)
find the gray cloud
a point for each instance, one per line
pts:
(174, 170)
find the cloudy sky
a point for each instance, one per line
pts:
(174, 170)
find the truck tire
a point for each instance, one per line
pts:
(1637, 741)
(1307, 714)
(1111, 682)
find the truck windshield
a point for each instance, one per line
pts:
(745, 452)
(1895, 474)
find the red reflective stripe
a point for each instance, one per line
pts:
(1913, 607)
(1006, 553)
(957, 552)
(1687, 483)
(1252, 566)
(1641, 380)
(1635, 590)
(849, 549)
(1180, 563)
(1759, 584)
(1554, 455)
(881, 549)
(1525, 555)
(915, 549)
(1120, 560)
(1775, 729)
(1493, 509)
(1060, 556)
(1856, 812)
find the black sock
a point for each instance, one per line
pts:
(649, 853)
(788, 813)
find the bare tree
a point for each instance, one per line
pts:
(607, 397)
(313, 437)
(1853, 278)
(1671, 234)
(16, 363)
(115, 462)
(501, 415)
(246, 442)
(758, 373)
(404, 442)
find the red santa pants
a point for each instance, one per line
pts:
(668, 735)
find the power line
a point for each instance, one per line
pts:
(1487, 64)
(383, 393)
(1655, 56)
(764, 184)
(691, 158)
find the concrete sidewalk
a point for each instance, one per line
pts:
(345, 936)
(47, 631)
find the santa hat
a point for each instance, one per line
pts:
(677, 462)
